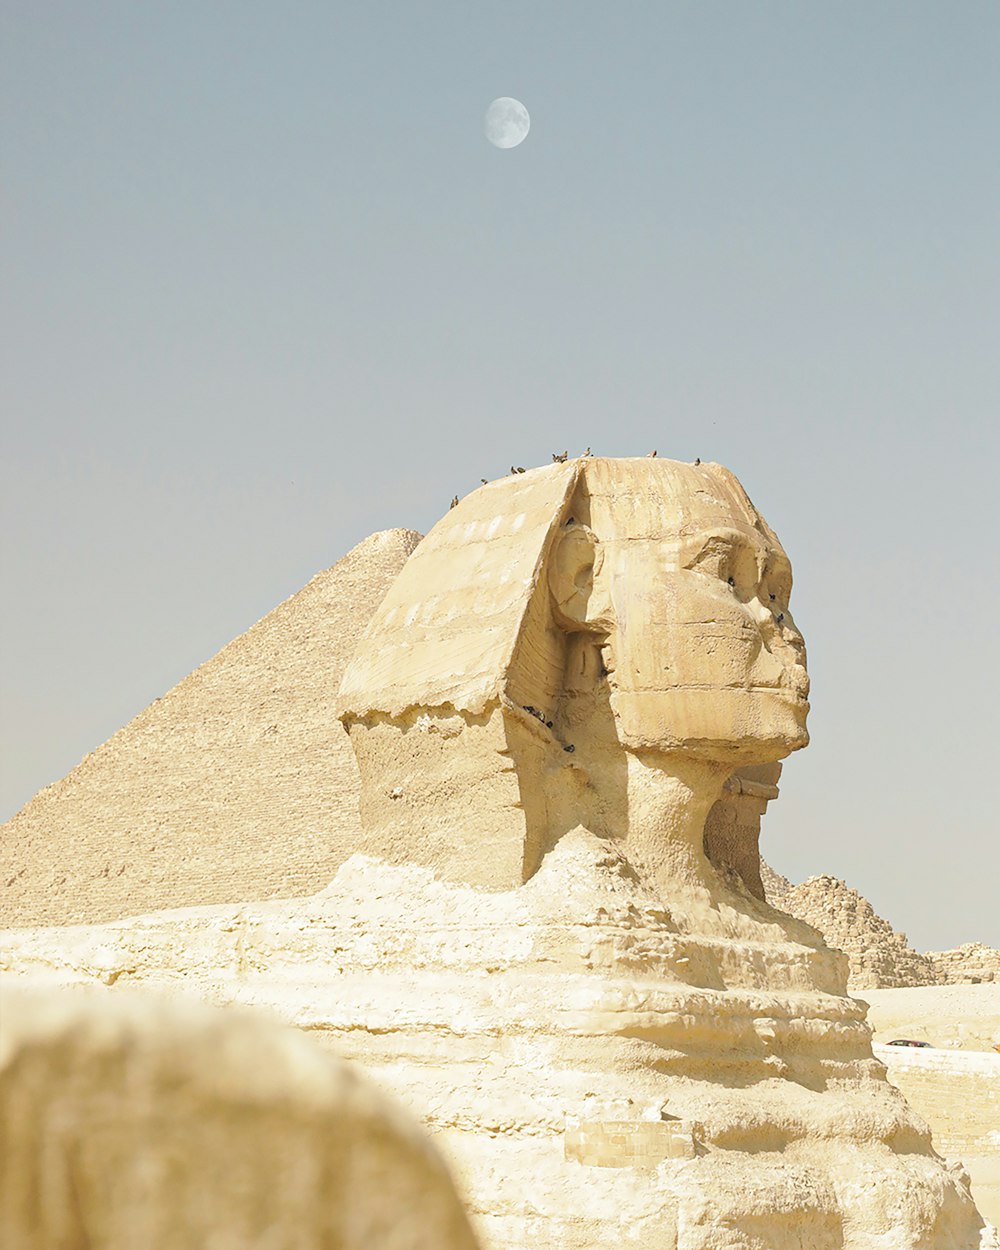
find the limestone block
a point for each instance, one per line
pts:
(629, 1143)
(144, 1123)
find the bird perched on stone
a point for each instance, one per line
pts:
(517, 470)
(557, 459)
(697, 460)
(484, 480)
(585, 453)
(454, 502)
(650, 454)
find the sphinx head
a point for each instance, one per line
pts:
(551, 626)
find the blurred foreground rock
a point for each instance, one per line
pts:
(135, 1123)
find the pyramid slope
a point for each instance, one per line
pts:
(969, 964)
(238, 784)
(775, 885)
(880, 958)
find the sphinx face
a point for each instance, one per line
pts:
(702, 652)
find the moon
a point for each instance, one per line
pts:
(507, 122)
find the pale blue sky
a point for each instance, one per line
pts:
(267, 288)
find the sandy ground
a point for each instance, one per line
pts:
(962, 1017)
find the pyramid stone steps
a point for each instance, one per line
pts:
(238, 784)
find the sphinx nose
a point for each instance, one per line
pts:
(789, 630)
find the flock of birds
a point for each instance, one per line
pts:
(558, 457)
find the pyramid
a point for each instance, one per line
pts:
(238, 784)
(880, 958)
(775, 885)
(969, 964)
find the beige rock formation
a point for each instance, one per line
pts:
(971, 964)
(732, 830)
(561, 958)
(879, 957)
(237, 784)
(592, 1071)
(132, 1122)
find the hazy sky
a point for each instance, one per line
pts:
(267, 288)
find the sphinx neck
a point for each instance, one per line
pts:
(669, 798)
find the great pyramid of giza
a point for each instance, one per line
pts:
(238, 784)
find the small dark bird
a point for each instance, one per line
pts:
(585, 453)
(571, 748)
(513, 470)
(454, 502)
(485, 481)
(697, 460)
(781, 617)
(548, 724)
(557, 459)
(650, 454)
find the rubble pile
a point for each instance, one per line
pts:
(969, 964)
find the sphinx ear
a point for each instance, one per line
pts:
(573, 567)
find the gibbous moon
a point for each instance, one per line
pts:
(507, 122)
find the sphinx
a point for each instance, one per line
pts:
(569, 713)
(575, 699)
(602, 643)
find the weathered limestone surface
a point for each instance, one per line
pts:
(561, 957)
(237, 784)
(130, 1121)
(591, 1069)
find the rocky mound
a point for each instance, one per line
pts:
(880, 957)
(238, 784)
(970, 964)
